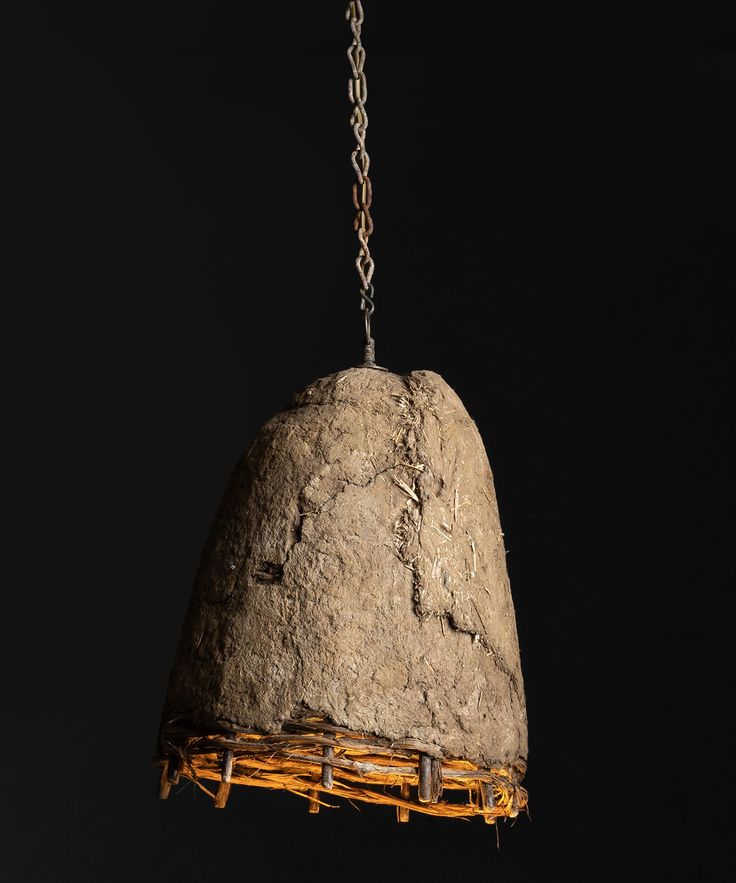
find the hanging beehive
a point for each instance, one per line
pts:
(351, 629)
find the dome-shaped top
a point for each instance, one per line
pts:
(356, 572)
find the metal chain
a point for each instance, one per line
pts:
(362, 190)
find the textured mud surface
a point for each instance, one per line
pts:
(356, 569)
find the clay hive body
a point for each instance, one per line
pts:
(353, 607)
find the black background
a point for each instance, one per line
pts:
(554, 210)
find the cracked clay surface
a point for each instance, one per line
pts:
(356, 569)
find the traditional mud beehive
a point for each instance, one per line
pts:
(351, 630)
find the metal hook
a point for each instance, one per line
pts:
(369, 345)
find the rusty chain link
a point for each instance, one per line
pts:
(362, 190)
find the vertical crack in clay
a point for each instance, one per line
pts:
(409, 523)
(413, 406)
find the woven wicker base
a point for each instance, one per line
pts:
(318, 761)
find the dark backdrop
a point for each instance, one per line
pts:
(554, 210)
